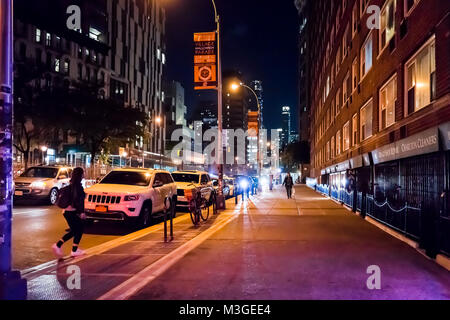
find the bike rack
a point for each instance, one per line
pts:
(168, 205)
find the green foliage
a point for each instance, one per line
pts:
(295, 154)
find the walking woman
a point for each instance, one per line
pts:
(74, 215)
(288, 183)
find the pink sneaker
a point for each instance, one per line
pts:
(57, 251)
(77, 253)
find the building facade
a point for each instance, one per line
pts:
(380, 111)
(120, 48)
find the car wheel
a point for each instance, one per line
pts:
(145, 217)
(53, 196)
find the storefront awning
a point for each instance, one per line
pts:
(418, 144)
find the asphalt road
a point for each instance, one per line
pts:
(36, 227)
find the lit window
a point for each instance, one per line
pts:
(355, 129)
(346, 136)
(365, 129)
(388, 97)
(56, 65)
(38, 35)
(338, 61)
(333, 147)
(421, 77)
(338, 101)
(338, 142)
(366, 56)
(94, 34)
(345, 43)
(387, 24)
(354, 74)
(66, 66)
(346, 88)
(354, 20)
(48, 40)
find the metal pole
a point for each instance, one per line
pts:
(11, 285)
(219, 107)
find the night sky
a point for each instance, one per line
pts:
(259, 38)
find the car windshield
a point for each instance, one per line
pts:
(186, 177)
(40, 173)
(127, 178)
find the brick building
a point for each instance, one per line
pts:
(380, 111)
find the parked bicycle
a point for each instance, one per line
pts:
(199, 207)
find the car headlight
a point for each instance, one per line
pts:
(131, 198)
(38, 184)
(244, 184)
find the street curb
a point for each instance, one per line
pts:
(393, 233)
(441, 260)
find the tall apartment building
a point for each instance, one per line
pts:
(120, 47)
(136, 60)
(380, 100)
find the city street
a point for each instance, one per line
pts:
(265, 248)
(36, 227)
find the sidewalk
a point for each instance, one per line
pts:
(308, 248)
(266, 248)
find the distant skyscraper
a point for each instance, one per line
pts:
(286, 127)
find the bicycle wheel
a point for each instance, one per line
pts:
(193, 212)
(214, 203)
(204, 212)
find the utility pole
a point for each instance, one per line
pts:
(220, 197)
(12, 287)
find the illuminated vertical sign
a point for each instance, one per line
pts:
(205, 61)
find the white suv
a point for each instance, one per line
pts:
(130, 195)
(186, 180)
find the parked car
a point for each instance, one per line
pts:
(130, 195)
(186, 180)
(231, 183)
(226, 187)
(41, 183)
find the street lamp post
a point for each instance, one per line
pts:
(220, 197)
(11, 284)
(234, 87)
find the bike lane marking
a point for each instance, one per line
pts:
(150, 273)
(34, 272)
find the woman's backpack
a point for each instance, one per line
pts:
(64, 197)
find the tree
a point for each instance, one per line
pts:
(295, 154)
(103, 123)
(28, 115)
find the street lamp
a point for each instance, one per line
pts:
(235, 87)
(44, 153)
